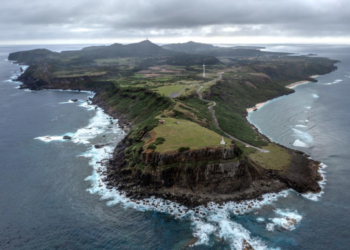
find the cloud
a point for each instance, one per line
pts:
(89, 20)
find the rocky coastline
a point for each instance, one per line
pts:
(218, 177)
(213, 175)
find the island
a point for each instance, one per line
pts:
(184, 109)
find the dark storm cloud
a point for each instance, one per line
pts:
(87, 19)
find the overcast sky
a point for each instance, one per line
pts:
(167, 21)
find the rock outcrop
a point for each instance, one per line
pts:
(199, 176)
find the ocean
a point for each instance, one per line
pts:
(52, 196)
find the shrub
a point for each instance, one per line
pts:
(183, 149)
(151, 146)
(178, 113)
(159, 141)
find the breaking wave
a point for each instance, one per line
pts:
(302, 135)
(322, 183)
(286, 220)
(334, 82)
(299, 143)
(209, 223)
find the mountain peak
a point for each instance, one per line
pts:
(146, 42)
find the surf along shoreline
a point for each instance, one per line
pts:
(289, 86)
(128, 187)
(153, 201)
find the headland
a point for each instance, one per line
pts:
(173, 148)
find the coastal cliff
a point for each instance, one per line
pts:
(200, 176)
(203, 173)
(192, 177)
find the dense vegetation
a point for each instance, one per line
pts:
(136, 80)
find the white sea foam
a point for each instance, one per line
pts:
(315, 95)
(270, 227)
(235, 234)
(334, 82)
(300, 126)
(302, 135)
(16, 74)
(322, 183)
(75, 91)
(98, 125)
(308, 107)
(70, 101)
(299, 143)
(49, 138)
(287, 220)
(260, 219)
(208, 222)
(211, 220)
(87, 106)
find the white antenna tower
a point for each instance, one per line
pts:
(203, 70)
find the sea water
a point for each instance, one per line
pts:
(53, 197)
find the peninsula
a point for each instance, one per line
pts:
(187, 139)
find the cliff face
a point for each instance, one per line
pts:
(217, 170)
(204, 154)
(199, 176)
(67, 83)
(192, 177)
(188, 177)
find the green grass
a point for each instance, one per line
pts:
(191, 90)
(118, 60)
(62, 74)
(277, 159)
(185, 134)
(202, 112)
(234, 124)
(167, 90)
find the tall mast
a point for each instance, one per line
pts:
(203, 70)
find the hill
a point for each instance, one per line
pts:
(176, 118)
(148, 54)
(208, 49)
(189, 47)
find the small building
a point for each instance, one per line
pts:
(161, 122)
(222, 141)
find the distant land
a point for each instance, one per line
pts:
(188, 139)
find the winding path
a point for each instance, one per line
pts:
(216, 121)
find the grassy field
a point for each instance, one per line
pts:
(190, 89)
(113, 61)
(207, 86)
(167, 90)
(63, 74)
(185, 134)
(277, 159)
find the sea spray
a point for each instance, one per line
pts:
(214, 221)
(322, 183)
